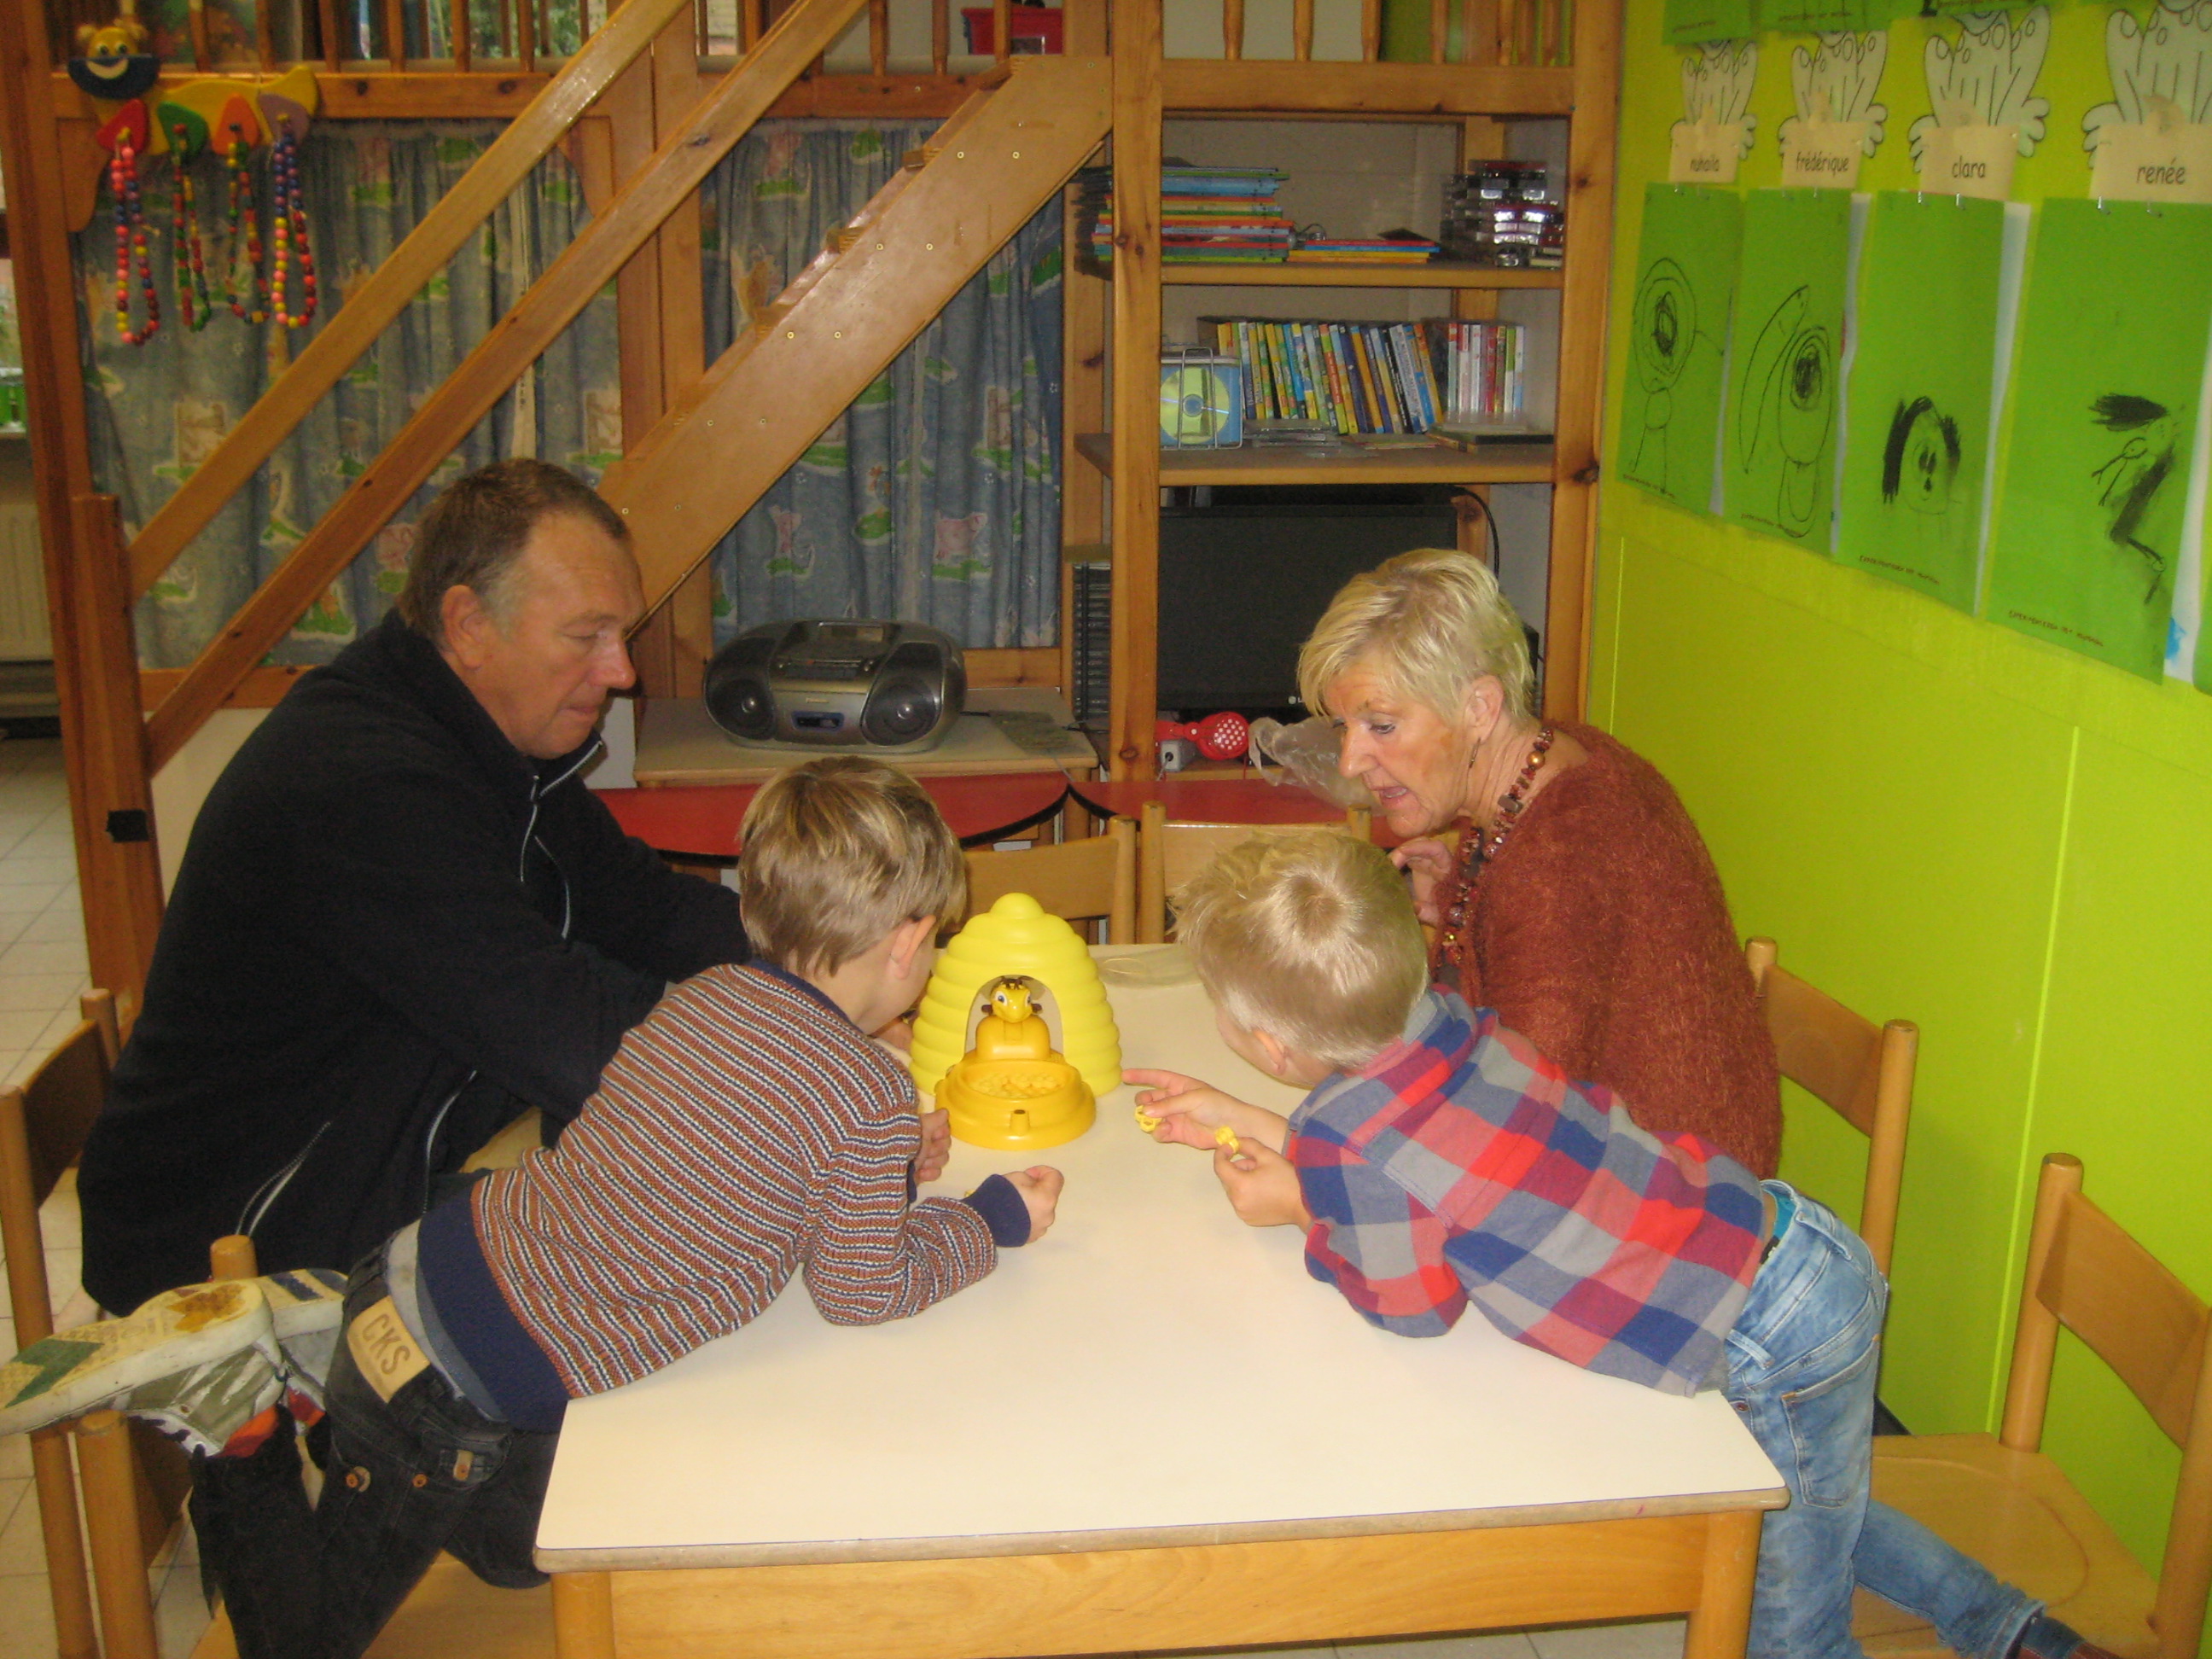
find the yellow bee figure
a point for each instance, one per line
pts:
(1013, 1090)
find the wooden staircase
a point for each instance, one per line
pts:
(1002, 156)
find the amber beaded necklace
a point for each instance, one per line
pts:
(1478, 847)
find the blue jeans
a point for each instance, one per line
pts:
(1803, 1360)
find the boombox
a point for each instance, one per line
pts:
(883, 685)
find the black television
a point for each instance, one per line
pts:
(1244, 578)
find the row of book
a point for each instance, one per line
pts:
(1208, 216)
(1378, 377)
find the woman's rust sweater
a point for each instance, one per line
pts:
(1601, 933)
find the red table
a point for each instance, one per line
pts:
(702, 820)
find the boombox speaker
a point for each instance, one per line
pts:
(889, 686)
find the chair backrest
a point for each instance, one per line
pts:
(1861, 1071)
(2086, 1273)
(1077, 879)
(1171, 852)
(43, 1126)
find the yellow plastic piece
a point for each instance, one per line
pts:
(1002, 1100)
(1226, 1138)
(1146, 1121)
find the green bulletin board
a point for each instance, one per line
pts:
(1685, 283)
(2099, 425)
(1778, 437)
(1916, 446)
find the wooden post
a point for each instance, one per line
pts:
(1722, 1619)
(583, 1615)
(1302, 30)
(940, 34)
(1136, 436)
(1232, 29)
(1589, 200)
(326, 11)
(1083, 349)
(1002, 29)
(126, 1610)
(94, 666)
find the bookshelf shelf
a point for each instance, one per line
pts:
(1448, 464)
(1436, 275)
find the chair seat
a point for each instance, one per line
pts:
(450, 1614)
(2017, 1514)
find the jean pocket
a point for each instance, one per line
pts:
(1830, 1425)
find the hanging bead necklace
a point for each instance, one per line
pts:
(287, 217)
(245, 238)
(130, 241)
(1478, 847)
(192, 306)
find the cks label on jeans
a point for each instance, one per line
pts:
(387, 1356)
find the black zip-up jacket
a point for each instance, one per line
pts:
(390, 931)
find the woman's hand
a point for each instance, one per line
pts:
(1189, 1111)
(1262, 1186)
(1429, 862)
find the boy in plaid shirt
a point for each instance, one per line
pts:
(1440, 1162)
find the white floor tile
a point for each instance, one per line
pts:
(53, 870)
(54, 922)
(15, 1448)
(52, 956)
(23, 1549)
(1661, 1640)
(27, 1617)
(48, 991)
(180, 1613)
(20, 1028)
(25, 897)
(1505, 1645)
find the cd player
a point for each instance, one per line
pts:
(892, 687)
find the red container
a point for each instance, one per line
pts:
(1033, 30)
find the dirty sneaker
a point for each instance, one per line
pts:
(73, 1371)
(208, 1406)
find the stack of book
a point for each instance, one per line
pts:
(1375, 376)
(1208, 216)
(1361, 250)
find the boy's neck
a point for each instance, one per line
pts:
(813, 982)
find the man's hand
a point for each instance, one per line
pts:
(1039, 1186)
(936, 1147)
(1262, 1186)
(1189, 1111)
(1429, 862)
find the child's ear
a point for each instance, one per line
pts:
(1277, 1051)
(908, 939)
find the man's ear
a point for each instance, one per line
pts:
(467, 625)
(908, 939)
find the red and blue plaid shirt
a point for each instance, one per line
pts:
(1461, 1165)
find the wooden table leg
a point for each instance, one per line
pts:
(584, 1615)
(1722, 1618)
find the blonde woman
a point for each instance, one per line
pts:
(1579, 900)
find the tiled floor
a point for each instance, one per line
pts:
(42, 970)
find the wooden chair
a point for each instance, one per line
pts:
(1170, 852)
(1078, 879)
(2003, 1503)
(1862, 1071)
(43, 1126)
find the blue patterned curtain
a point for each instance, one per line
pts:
(157, 410)
(936, 498)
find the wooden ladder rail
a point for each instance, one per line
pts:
(372, 306)
(584, 267)
(709, 458)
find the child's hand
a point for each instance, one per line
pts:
(1039, 1186)
(1190, 1111)
(1429, 862)
(1262, 1186)
(936, 1147)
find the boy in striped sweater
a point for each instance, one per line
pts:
(748, 1129)
(1441, 1163)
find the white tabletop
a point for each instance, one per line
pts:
(1152, 1371)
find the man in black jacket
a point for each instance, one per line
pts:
(402, 917)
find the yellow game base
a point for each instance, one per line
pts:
(1016, 1105)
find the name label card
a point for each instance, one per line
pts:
(1703, 153)
(1974, 161)
(1825, 155)
(2153, 161)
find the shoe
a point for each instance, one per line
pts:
(304, 1301)
(2045, 1638)
(74, 1371)
(209, 1406)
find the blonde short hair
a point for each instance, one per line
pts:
(838, 851)
(1432, 622)
(1311, 936)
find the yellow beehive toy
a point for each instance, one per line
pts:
(1011, 1090)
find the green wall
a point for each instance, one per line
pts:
(1942, 820)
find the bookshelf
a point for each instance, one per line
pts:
(1431, 463)
(1442, 274)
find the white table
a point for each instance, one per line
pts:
(1152, 1429)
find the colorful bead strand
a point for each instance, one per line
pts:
(245, 238)
(288, 235)
(192, 306)
(129, 239)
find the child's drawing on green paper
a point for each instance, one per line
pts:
(2129, 482)
(1785, 406)
(1685, 280)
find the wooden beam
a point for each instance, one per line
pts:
(1135, 425)
(689, 615)
(927, 232)
(1034, 664)
(265, 688)
(1582, 357)
(365, 314)
(1256, 86)
(87, 604)
(513, 343)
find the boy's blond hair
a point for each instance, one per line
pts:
(1432, 622)
(838, 851)
(1311, 937)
